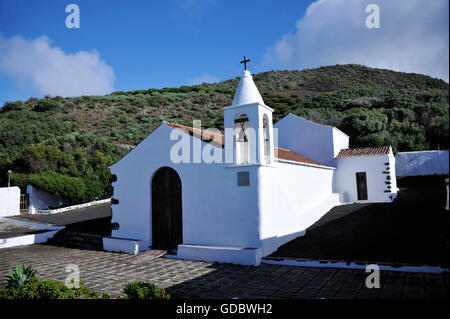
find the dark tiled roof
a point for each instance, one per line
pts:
(219, 140)
(363, 151)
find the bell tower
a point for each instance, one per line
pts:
(248, 125)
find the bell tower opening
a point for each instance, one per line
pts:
(241, 126)
(266, 139)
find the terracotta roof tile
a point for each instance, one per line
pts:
(206, 135)
(363, 151)
(219, 139)
(292, 156)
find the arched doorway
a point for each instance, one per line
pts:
(166, 209)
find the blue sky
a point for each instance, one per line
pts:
(136, 44)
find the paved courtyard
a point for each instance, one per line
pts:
(110, 272)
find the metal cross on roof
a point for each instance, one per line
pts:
(245, 62)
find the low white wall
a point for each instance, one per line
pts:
(31, 238)
(352, 265)
(239, 256)
(422, 163)
(39, 199)
(74, 207)
(27, 239)
(9, 201)
(123, 245)
(292, 198)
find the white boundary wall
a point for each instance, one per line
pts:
(27, 239)
(352, 265)
(31, 238)
(292, 197)
(422, 163)
(9, 201)
(65, 209)
(40, 200)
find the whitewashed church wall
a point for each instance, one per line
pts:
(215, 210)
(306, 138)
(345, 177)
(9, 201)
(292, 198)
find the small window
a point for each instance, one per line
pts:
(243, 178)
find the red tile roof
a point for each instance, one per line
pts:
(219, 139)
(206, 135)
(292, 156)
(364, 151)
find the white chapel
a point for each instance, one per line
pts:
(239, 195)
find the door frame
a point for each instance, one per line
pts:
(360, 192)
(152, 203)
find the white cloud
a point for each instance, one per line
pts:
(190, 12)
(413, 37)
(205, 78)
(50, 70)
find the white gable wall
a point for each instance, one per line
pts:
(215, 210)
(340, 141)
(315, 141)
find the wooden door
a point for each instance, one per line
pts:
(361, 185)
(166, 209)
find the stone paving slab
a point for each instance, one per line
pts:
(145, 256)
(109, 272)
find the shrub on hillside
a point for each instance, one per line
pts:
(44, 105)
(71, 188)
(12, 106)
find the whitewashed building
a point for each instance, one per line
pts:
(236, 197)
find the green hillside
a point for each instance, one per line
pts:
(64, 145)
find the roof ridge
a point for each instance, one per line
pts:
(356, 148)
(364, 151)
